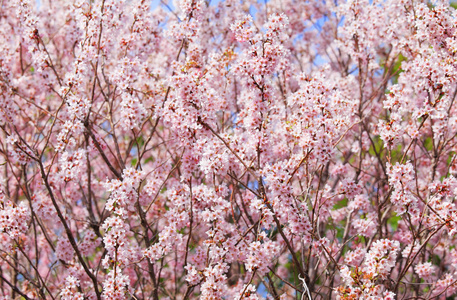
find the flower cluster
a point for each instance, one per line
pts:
(235, 149)
(14, 219)
(69, 291)
(381, 258)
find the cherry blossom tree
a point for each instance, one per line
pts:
(243, 149)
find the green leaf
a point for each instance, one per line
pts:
(341, 204)
(397, 153)
(339, 233)
(428, 144)
(393, 221)
(450, 157)
(378, 146)
(397, 67)
(140, 141)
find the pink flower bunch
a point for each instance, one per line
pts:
(14, 219)
(231, 149)
(69, 291)
(381, 258)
